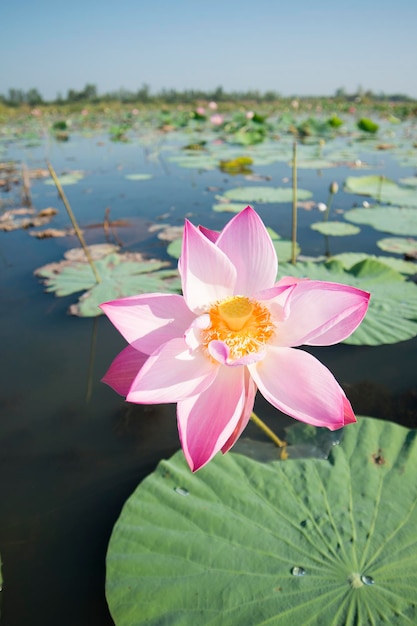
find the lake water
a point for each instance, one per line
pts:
(71, 450)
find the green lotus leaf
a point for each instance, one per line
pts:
(387, 219)
(283, 247)
(229, 207)
(382, 189)
(288, 542)
(392, 313)
(67, 179)
(138, 176)
(335, 229)
(411, 181)
(121, 275)
(399, 245)
(315, 164)
(349, 259)
(265, 194)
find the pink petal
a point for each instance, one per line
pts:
(149, 320)
(250, 393)
(207, 274)
(124, 369)
(171, 374)
(297, 383)
(207, 420)
(248, 245)
(322, 313)
(213, 235)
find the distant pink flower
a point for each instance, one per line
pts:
(84, 112)
(201, 110)
(212, 106)
(231, 333)
(217, 119)
(135, 111)
(250, 115)
(36, 112)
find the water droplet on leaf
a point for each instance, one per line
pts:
(298, 571)
(181, 491)
(367, 580)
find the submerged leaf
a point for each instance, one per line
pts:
(290, 542)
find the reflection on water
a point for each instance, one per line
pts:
(71, 451)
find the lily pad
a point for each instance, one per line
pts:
(138, 176)
(335, 229)
(315, 164)
(265, 194)
(228, 207)
(289, 542)
(349, 259)
(387, 219)
(411, 181)
(67, 179)
(382, 189)
(392, 313)
(121, 275)
(408, 246)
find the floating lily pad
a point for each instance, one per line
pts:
(67, 179)
(335, 229)
(399, 245)
(315, 164)
(138, 176)
(349, 259)
(228, 207)
(121, 275)
(289, 542)
(283, 247)
(392, 313)
(411, 181)
(197, 161)
(265, 194)
(382, 189)
(387, 219)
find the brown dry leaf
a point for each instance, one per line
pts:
(47, 233)
(307, 204)
(170, 233)
(48, 212)
(38, 173)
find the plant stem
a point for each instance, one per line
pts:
(294, 205)
(73, 221)
(257, 420)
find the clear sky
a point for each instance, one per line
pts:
(297, 47)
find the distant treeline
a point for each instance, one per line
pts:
(32, 97)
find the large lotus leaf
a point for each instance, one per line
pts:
(290, 542)
(387, 219)
(138, 176)
(121, 275)
(229, 207)
(382, 189)
(283, 247)
(399, 245)
(392, 313)
(349, 259)
(335, 229)
(265, 194)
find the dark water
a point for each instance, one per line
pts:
(71, 450)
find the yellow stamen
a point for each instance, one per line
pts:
(244, 325)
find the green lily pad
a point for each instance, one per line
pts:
(392, 312)
(121, 275)
(399, 245)
(67, 179)
(138, 176)
(229, 207)
(265, 194)
(315, 164)
(382, 189)
(349, 259)
(335, 229)
(289, 542)
(409, 180)
(387, 219)
(195, 161)
(283, 247)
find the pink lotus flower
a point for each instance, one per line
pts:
(217, 119)
(231, 333)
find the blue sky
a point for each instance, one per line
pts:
(298, 47)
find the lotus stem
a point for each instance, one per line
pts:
(294, 205)
(73, 221)
(277, 441)
(27, 198)
(381, 180)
